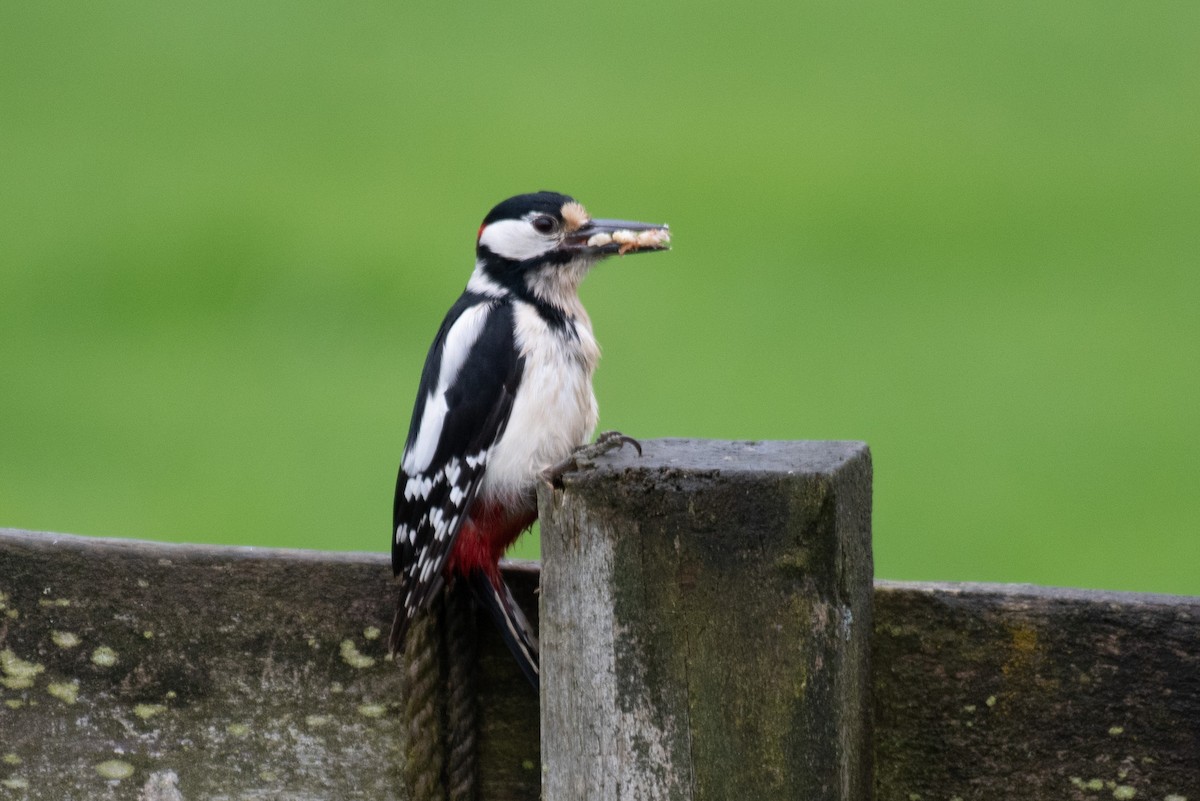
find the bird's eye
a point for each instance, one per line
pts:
(544, 224)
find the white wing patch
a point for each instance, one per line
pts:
(459, 340)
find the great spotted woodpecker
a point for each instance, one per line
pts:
(506, 394)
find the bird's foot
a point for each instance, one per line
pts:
(609, 440)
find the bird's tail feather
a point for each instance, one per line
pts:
(514, 627)
(407, 608)
(399, 629)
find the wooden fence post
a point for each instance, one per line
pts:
(706, 624)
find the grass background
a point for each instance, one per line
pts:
(967, 235)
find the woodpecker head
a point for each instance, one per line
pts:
(546, 242)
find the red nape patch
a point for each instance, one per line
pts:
(485, 536)
(479, 233)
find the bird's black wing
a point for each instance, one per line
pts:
(463, 405)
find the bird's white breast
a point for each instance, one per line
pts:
(554, 410)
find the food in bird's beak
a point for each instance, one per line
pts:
(632, 240)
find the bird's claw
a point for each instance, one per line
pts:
(609, 440)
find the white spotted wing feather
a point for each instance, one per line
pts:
(463, 405)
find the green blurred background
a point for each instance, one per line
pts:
(965, 234)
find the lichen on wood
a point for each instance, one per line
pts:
(994, 691)
(240, 672)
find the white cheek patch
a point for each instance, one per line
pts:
(515, 239)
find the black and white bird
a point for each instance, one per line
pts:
(505, 395)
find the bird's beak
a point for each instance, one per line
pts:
(605, 237)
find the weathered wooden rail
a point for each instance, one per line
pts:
(142, 670)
